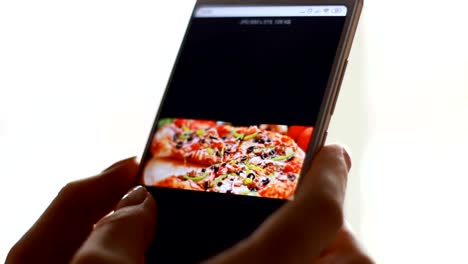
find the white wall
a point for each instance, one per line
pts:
(403, 111)
(80, 83)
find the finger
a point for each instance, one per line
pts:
(302, 228)
(69, 219)
(125, 235)
(344, 249)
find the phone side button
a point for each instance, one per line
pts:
(340, 82)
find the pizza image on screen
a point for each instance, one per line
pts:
(210, 156)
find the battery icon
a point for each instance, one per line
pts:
(336, 10)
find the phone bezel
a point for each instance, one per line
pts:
(333, 84)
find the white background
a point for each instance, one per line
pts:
(80, 82)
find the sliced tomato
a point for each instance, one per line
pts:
(181, 122)
(290, 168)
(295, 131)
(224, 130)
(303, 139)
(217, 144)
(286, 139)
(202, 124)
(196, 146)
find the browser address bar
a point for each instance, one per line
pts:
(269, 11)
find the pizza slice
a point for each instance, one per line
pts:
(201, 142)
(197, 143)
(251, 175)
(222, 158)
(247, 175)
(179, 183)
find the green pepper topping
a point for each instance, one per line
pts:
(165, 121)
(254, 167)
(219, 179)
(200, 132)
(196, 178)
(256, 151)
(248, 192)
(186, 129)
(209, 151)
(184, 136)
(247, 181)
(251, 136)
(237, 135)
(271, 177)
(285, 157)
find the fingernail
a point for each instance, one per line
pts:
(347, 157)
(135, 196)
(118, 164)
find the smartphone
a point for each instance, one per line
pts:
(246, 108)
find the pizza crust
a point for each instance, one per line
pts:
(159, 169)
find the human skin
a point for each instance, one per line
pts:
(90, 222)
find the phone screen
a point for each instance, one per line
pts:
(243, 99)
(232, 133)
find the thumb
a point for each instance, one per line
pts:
(123, 236)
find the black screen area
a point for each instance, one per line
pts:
(246, 71)
(253, 70)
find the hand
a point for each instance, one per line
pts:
(77, 226)
(311, 228)
(344, 249)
